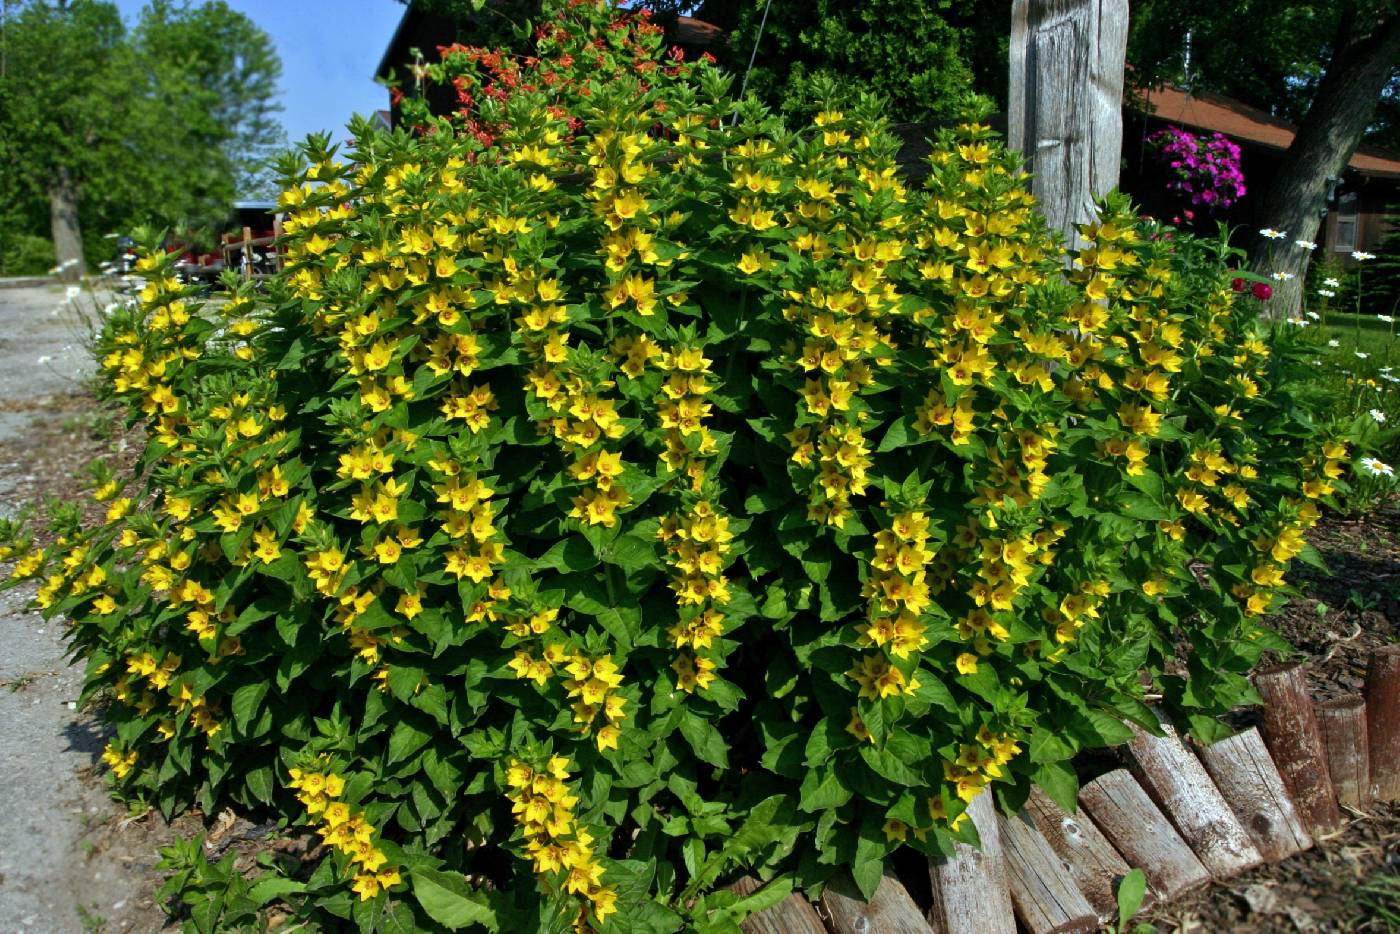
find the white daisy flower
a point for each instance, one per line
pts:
(1374, 467)
(1272, 234)
(1332, 283)
(1284, 276)
(1361, 354)
(1334, 343)
(1326, 293)
(1378, 415)
(1314, 315)
(1361, 256)
(1305, 244)
(1386, 318)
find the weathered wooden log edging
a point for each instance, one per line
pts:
(1295, 743)
(1043, 892)
(1342, 722)
(971, 894)
(793, 915)
(1178, 783)
(891, 911)
(1383, 722)
(1139, 831)
(1086, 854)
(1250, 782)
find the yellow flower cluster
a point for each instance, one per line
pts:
(121, 763)
(543, 806)
(345, 830)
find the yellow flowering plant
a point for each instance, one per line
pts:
(656, 496)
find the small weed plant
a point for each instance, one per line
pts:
(619, 491)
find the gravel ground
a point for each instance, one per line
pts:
(71, 858)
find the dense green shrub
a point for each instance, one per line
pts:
(652, 496)
(25, 255)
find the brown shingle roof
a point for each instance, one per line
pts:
(1205, 111)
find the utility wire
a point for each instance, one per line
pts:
(744, 84)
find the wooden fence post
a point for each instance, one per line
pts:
(1066, 96)
(1383, 722)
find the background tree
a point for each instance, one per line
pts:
(162, 125)
(62, 106)
(930, 59)
(1331, 66)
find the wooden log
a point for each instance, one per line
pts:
(970, 890)
(891, 911)
(1250, 782)
(1065, 102)
(1147, 840)
(1383, 722)
(1090, 859)
(1043, 892)
(792, 915)
(1178, 782)
(1295, 743)
(1342, 723)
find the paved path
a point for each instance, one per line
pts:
(68, 860)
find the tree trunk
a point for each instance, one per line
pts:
(1336, 119)
(63, 218)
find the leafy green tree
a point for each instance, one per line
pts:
(109, 128)
(63, 105)
(922, 56)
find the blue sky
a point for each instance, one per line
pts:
(329, 51)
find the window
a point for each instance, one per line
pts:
(1345, 239)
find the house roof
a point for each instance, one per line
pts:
(1203, 110)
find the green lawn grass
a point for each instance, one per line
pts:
(1361, 374)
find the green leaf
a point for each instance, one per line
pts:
(707, 742)
(405, 741)
(1131, 890)
(1060, 783)
(821, 789)
(245, 704)
(450, 901)
(271, 887)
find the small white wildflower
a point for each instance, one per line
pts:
(1386, 318)
(1390, 378)
(1375, 467)
(1315, 316)
(1272, 234)
(43, 360)
(1300, 322)
(1334, 343)
(1332, 283)
(72, 292)
(1361, 354)
(1378, 415)
(1361, 256)
(1284, 276)
(1386, 369)
(1326, 293)
(1305, 244)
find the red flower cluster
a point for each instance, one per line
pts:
(583, 43)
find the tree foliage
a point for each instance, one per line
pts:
(164, 123)
(1275, 64)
